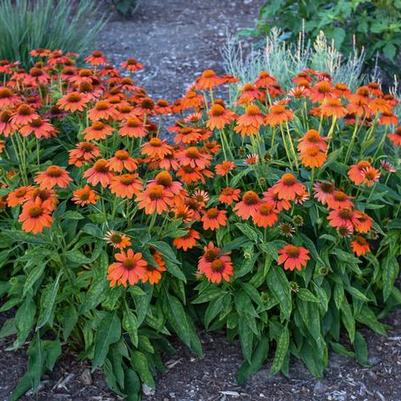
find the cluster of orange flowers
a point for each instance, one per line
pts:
(119, 152)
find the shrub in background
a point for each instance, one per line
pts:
(126, 8)
(62, 24)
(373, 25)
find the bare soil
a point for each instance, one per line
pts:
(176, 40)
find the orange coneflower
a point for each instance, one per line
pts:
(312, 138)
(117, 240)
(388, 118)
(39, 127)
(250, 93)
(156, 148)
(162, 107)
(323, 191)
(125, 185)
(124, 112)
(129, 268)
(19, 196)
(395, 137)
(371, 176)
(342, 218)
(332, 107)
(224, 168)
(165, 179)
(356, 172)
(6, 125)
(201, 197)
(99, 173)
(47, 197)
(313, 157)
(208, 80)
(266, 215)
(84, 196)
(188, 135)
(96, 58)
(190, 175)
(23, 115)
(7, 98)
(83, 152)
(153, 273)
(133, 128)
(249, 122)
(132, 65)
(229, 195)
(293, 257)
(288, 187)
(103, 110)
(379, 105)
(194, 157)
(264, 80)
(278, 114)
(363, 223)
(219, 117)
(73, 101)
(215, 265)
(122, 160)
(53, 176)
(339, 200)
(248, 206)
(360, 246)
(251, 159)
(188, 241)
(322, 90)
(272, 198)
(97, 131)
(155, 199)
(214, 218)
(35, 217)
(341, 89)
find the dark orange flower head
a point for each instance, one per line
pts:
(53, 176)
(288, 187)
(248, 206)
(99, 173)
(84, 196)
(360, 246)
(215, 266)
(249, 122)
(293, 257)
(117, 240)
(35, 217)
(188, 241)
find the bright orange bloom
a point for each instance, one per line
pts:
(278, 114)
(332, 107)
(293, 257)
(52, 176)
(133, 128)
(129, 268)
(264, 80)
(356, 172)
(288, 187)
(126, 185)
(272, 198)
(388, 118)
(321, 91)
(187, 135)
(73, 101)
(46, 197)
(194, 157)
(103, 110)
(250, 93)
(6, 126)
(190, 175)
(188, 241)
(313, 157)
(96, 58)
(266, 215)
(97, 131)
(35, 217)
(208, 80)
(19, 196)
(360, 246)
(323, 191)
(23, 115)
(153, 273)
(84, 196)
(165, 179)
(219, 117)
(38, 127)
(122, 160)
(215, 266)
(229, 195)
(363, 223)
(99, 173)
(156, 148)
(248, 206)
(342, 218)
(252, 159)
(371, 176)
(117, 240)
(155, 199)
(132, 65)
(395, 137)
(249, 122)
(224, 168)
(7, 98)
(214, 218)
(339, 200)
(379, 105)
(83, 152)
(312, 138)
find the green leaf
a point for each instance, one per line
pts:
(130, 324)
(348, 319)
(33, 276)
(246, 338)
(132, 385)
(361, 349)
(249, 232)
(306, 295)
(70, 319)
(140, 364)
(281, 351)
(76, 256)
(72, 215)
(108, 332)
(390, 269)
(24, 320)
(47, 302)
(280, 287)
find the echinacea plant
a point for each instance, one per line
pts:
(274, 216)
